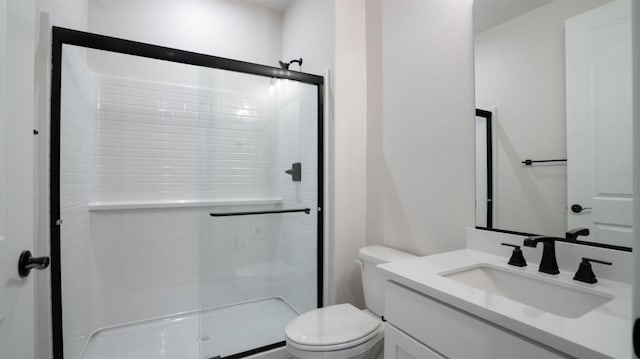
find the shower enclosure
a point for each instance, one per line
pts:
(186, 201)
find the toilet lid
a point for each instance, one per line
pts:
(331, 326)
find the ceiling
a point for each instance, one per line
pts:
(489, 13)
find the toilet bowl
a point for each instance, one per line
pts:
(338, 331)
(343, 331)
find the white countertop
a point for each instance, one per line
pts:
(604, 332)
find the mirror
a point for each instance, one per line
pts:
(554, 117)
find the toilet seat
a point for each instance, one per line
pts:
(336, 327)
(336, 347)
(352, 352)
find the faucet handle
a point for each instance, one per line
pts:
(517, 258)
(573, 234)
(585, 272)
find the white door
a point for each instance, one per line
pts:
(16, 176)
(599, 123)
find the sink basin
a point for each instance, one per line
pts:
(538, 292)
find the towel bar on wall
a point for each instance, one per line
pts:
(530, 162)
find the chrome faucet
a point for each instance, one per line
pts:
(548, 263)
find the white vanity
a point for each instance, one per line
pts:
(471, 304)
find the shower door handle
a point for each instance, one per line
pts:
(228, 214)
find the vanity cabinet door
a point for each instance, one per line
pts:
(454, 333)
(398, 345)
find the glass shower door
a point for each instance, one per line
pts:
(258, 239)
(188, 199)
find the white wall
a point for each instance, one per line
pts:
(520, 71)
(349, 152)
(16, 328)
(65, 13)
(420, 183)
(307, 32)
(404, 138)
(232, 29)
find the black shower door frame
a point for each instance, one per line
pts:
(62, 36)
(487, 115)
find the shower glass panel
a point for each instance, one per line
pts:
(257, 263)
(190, 204)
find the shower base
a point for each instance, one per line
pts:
(220, 331)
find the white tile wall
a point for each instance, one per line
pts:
(146, 264)
(76, 188)
(164, 141)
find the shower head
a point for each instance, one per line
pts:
(285, 65)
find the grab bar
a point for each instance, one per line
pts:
(227, 214)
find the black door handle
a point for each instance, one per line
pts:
(576, 208)
(26, 263)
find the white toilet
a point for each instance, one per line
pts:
(342, 331)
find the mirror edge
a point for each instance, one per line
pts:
(560, 239)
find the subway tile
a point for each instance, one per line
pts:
(171, 104)
(133, 92)
(184, 98)
(185, 114)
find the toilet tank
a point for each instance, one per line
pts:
(372, 282)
